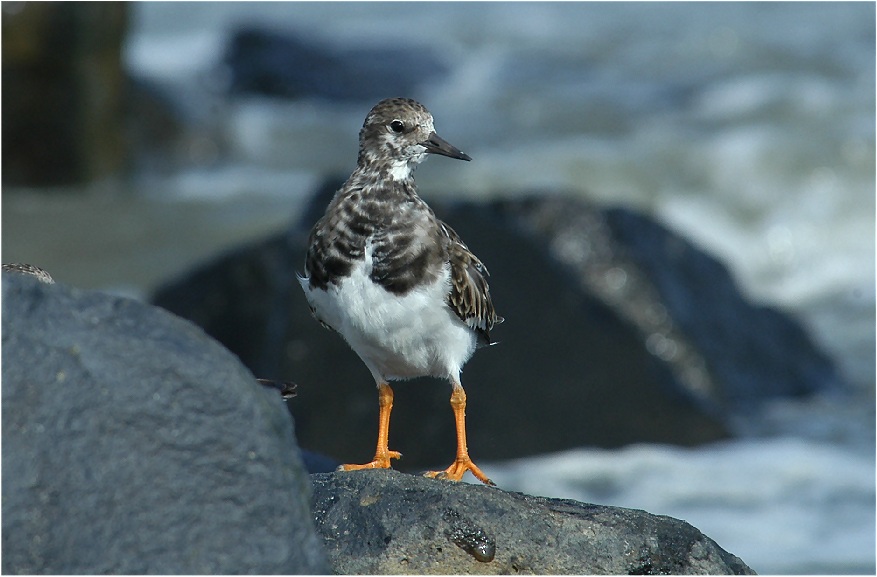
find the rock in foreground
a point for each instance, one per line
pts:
(133, 443)
(385, 522)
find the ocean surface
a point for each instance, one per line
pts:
(749, 128)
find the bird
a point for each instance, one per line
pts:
(397, 283)
(33, 270)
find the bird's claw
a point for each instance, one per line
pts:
(381, 461)
(456, 471)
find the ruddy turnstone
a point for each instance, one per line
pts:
(397, 283)
(30, 269)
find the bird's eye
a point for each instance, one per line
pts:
(397, 126)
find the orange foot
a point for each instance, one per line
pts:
(457, 469)
(382, 461)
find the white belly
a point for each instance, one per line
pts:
(398, 337)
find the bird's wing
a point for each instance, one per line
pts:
(470, 295)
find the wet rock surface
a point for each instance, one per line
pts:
(752, 351)
(385, 522)
(133, 443)
(723, 350)
(617, 331)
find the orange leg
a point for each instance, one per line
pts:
(462, 463)
(382, 453)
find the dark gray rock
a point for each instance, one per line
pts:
(724, 351)
(610, 339)
(384, 522)
(755, 351)
(134, 443)
(284, 64)
(568, 371)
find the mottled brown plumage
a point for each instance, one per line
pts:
(470, 295)
(398, 284)
(30, 269)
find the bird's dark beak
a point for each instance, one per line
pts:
(435, 144)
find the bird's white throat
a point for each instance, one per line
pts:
(400, 170)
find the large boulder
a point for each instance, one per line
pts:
(384, 522)
(609, 340)
(754, 351)
(134, 443)
(723, 350)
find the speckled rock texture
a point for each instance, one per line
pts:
(133, 443)
(386, 522)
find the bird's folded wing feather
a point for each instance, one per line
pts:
(470, 294)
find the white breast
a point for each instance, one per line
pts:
(397, 337)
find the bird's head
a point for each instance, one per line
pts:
(398, 133)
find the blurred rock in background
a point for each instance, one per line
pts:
(286, 64)
(609, 339)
